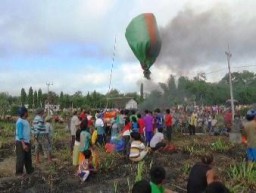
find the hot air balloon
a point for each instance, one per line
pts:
(143, 37)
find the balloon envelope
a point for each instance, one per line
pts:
(143, 37)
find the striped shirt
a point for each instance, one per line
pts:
(39, 125)
(136, 148)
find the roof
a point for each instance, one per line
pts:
(119, 102)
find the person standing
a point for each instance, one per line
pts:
(74, 125)
(22, 143)
(40, 135)
(83, 115)
(149, 121)
(192, 124)
(159, 119)
(250, 130)
(50, 132)
(168, 125)
(141, 127)
(85, 139)
(85, 136)
(99, 124)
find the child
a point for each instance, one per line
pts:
(138, 150)
(142, 186)
(157, 177)
(85, 167)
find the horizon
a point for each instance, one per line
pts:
(72, 44)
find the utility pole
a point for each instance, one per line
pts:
(48, 84)
(230, 84)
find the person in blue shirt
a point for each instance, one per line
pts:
(159, 119)
(22, 142)
(135, 125)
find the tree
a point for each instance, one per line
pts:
(23, 97)
(40, 98)
(30, 98)
(78, 99)
(113, 93)
(243, 86)
(35, 99)
(61, 100)
(67, 103)
(52, 97)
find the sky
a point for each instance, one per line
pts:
(70, 44)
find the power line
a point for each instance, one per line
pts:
(222, 69)
(245, 66)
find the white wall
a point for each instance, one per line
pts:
(131, 104)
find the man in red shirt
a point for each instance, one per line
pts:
(168, 124)
(141, 126)
(83, 115)
(228, 120)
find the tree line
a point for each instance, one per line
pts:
(198, 91)
(173, 92)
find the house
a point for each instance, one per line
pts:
(123, 103)
(131, 104)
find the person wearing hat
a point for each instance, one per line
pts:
(22, 142)
(250, 131)
(40, 134)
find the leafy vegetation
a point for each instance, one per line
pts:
(220, 146)
(243, 176)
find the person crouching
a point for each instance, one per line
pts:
(85, 167)
(138, 150)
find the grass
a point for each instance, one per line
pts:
(220, 146)
(242, 175)
(7, 167)
(237, 175)
(140, 171)
(7, 133)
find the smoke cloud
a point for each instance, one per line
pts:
(192, 40)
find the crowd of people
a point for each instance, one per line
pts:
(133, 134)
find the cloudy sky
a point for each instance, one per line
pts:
(70, 43)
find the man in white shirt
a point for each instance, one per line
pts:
(74, 125)
(99, 124)
(157, 140)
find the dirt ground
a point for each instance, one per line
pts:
(117, 174)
